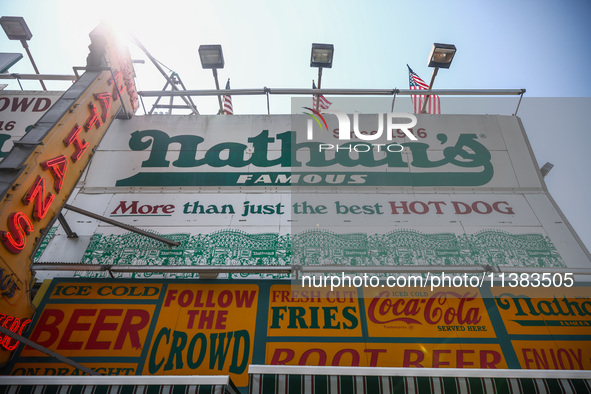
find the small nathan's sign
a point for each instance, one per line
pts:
(18, 113)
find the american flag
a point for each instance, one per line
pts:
(228, 108)
(416, 83)
(324, 103)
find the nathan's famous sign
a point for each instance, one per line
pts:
(39, 173)
(281, 150)
(179, 327)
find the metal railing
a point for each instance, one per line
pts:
(335, 92)
(187, 94)
(40, 77)
(303, 269)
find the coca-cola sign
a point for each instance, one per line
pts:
(442, 312)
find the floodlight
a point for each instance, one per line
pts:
(16, 28)
(211, 56)
(441, 55)
(322, 55)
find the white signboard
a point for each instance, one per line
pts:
(274, 151)
(19, 111)
(232, 191)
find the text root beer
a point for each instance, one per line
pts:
(38, 175)
(383, 354)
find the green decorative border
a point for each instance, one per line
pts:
(398, 247)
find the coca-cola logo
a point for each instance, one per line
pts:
(384, 309)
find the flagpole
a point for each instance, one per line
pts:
(430, 87)
(319, 86)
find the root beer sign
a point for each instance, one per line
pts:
(40, 173)
(193, 327)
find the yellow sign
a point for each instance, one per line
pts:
(50, 159)
(294, 311)
(167, 329)
(75, 330)
(204, 330)
(549, 354)
(60, 369)
(408, 355)
(545, 311)
(443, 313)
(196, 327)
(109, 291)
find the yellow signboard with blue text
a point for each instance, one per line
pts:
(199, 327)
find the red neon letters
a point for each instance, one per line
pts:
(15, 325)
(58, 167)
(20, 225)
(36, 193)
(106, 100)
(79, 144)
(95, 118)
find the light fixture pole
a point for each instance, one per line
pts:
(321, 57)
(440, 57)
(16, 28)
(26, 46)
(424, 109)
(211, 56)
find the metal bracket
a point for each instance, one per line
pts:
(66, 226)
(267, 91)
(122, 225)
(27, 144)
(519, 102)
(394, 93)
(47, 351)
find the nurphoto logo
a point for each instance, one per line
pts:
(392, 124)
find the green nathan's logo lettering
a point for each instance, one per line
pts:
(305, 163)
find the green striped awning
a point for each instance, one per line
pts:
(117, 385)
(339, 380)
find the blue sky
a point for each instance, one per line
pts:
(537, 45)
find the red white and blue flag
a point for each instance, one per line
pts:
(323, 103)
(416, 83)
(228, 108)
